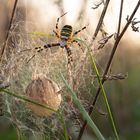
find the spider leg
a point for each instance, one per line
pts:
(56, 33)
(39, 49)
(56, 26)
(51, 45)
(69, 53)
(75, 33)
(75, 41)
(58, 20)
(30, 59)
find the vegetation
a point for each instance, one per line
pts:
(100, 89)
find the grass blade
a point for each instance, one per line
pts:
(83, 111)
(102, 88)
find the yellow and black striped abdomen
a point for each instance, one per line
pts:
(66, 32)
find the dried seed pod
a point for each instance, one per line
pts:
(44, 91)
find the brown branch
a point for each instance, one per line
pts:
(9, 27)
(108, 65)
(101, 20)
(120, 18)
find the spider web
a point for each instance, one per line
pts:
(50, 62)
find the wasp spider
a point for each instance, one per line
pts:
(66, 38)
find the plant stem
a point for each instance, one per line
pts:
(24, 98)
(101, 20)
(9, 27)
(120, 18)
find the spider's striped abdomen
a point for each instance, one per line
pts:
(66, 32)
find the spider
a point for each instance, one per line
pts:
(66, 38)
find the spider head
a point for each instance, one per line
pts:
(63, 43)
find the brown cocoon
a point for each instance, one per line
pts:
(44, 91)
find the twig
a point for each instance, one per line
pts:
(108, 65)
(120, 19)
(97, 5)
(101, 20)
(9, 27)
(104, 41)
(111, 77)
